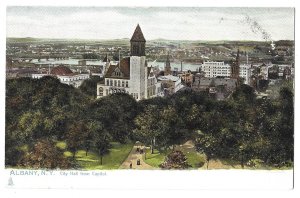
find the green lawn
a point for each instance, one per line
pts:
(156, 158)
(61, 145)
(117, 154)
(194, 158)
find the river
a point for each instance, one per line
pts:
(174, 65)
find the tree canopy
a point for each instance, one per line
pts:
(40, 112)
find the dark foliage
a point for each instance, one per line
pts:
(175, 160)
(241, 128)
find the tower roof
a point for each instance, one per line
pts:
(138, 35)
(106, 59)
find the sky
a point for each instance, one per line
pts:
(173, 23)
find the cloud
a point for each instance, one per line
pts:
(168, 23)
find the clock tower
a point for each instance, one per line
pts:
(138, 66)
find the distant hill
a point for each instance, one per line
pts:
(125, 41)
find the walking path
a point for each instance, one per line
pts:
(133, 157)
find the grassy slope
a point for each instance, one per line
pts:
(118, 153)
(193, 158)
(156, 158)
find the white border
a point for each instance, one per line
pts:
(189, 178)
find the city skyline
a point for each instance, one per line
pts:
(172, 23)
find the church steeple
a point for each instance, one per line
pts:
(235, 67)
(168, 60)
(168, 66)
(137, 42)
(238, 57)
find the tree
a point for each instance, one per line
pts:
(148, 127)
(117, 113)
(90, 56)
(75, 136)
(244, 95)
(100, 138)
(45, 155)
(172, 128)
(175, 160)
(89, 86)
(31, 126)
(13, 153)
(209, 145)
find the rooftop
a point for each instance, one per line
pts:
(124, 68)
(138, 35)
(169, 77)
(61, 71)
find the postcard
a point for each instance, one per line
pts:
(106, 97)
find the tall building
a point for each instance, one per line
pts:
(131, 75)
(245, 73)
(219, 69)
(215, 69)
(235, 67)
(138, 65)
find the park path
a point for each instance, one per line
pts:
(133, 157)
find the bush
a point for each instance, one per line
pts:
(175, 160)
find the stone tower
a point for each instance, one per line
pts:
(137, 63)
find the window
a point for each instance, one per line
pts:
(100, 91)
(126, 83)
(135, 49)
(111, 83)
(115, 82)
(107, 82)
(123, 83)
(119, 82)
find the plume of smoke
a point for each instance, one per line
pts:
(256, 28)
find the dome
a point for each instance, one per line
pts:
(61, 71)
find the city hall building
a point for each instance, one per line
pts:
(131, 75)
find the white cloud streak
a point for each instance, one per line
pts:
(168, 23)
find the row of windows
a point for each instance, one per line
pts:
(135, 95)
(215, 63)
(151, 91)
(116, 83)
(73, 79)
(100, 93)
(225, 67)
(117, 74)
(219, 70)
(151, 81)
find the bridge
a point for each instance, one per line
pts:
(29, 59)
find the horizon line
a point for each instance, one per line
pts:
(94, 39)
